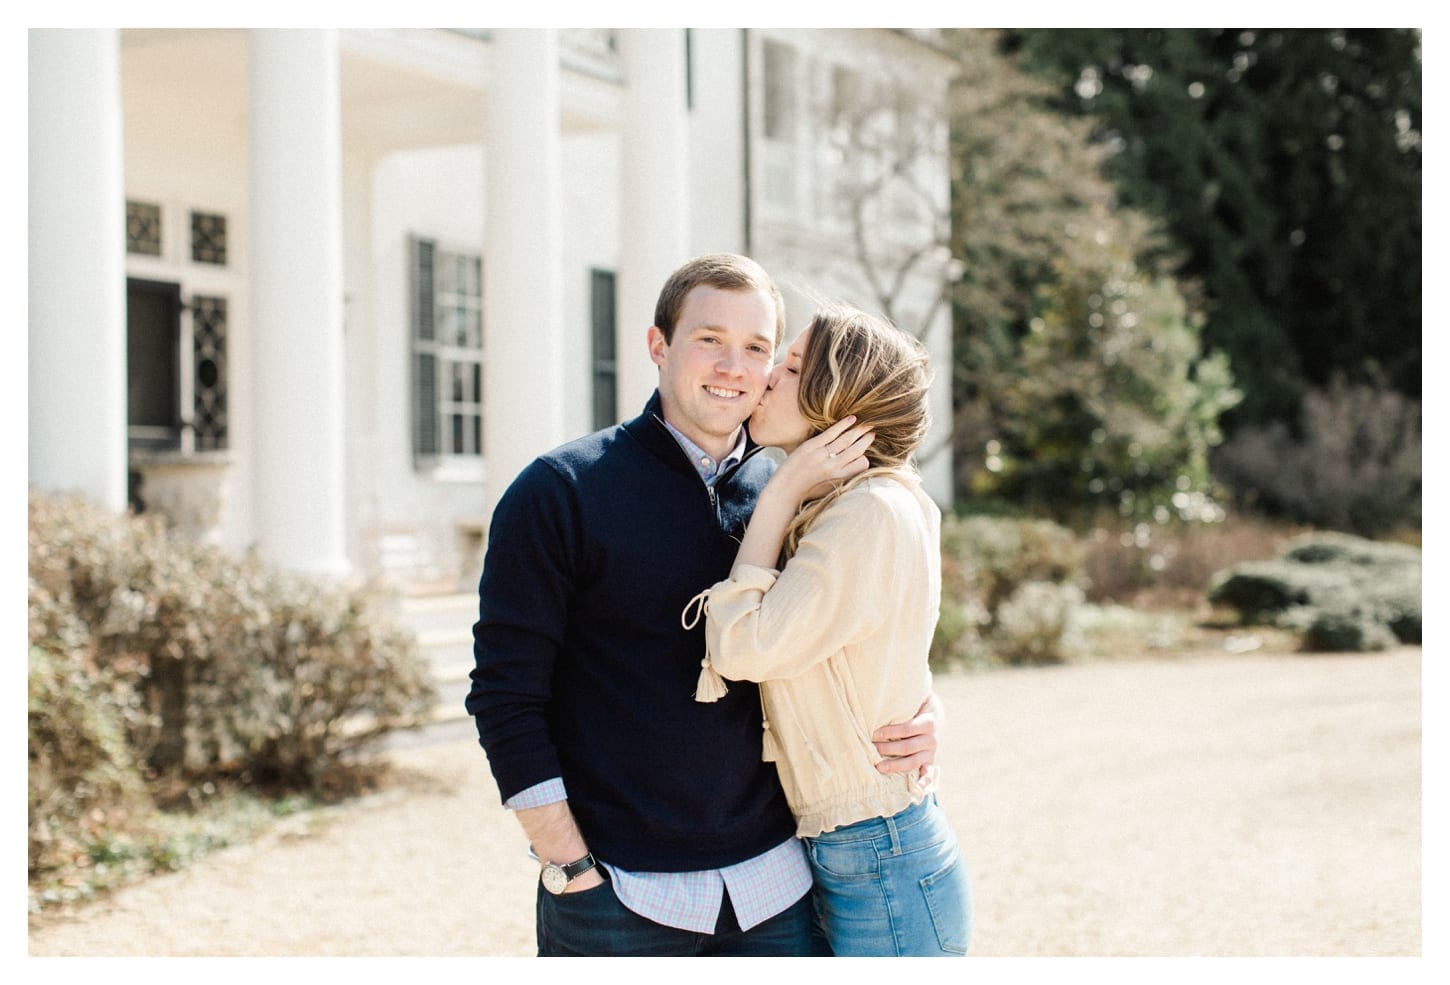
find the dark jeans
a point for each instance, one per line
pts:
(595, 923)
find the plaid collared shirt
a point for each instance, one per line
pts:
(759, 887)
(709, 469)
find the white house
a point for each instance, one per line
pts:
(324, 292)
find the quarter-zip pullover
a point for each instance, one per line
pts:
(583, 671)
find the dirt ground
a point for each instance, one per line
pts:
(1215, 805)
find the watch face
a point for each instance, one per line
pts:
(554, 879)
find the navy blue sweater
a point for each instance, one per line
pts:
(583, 670)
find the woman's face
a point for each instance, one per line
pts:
(777, 419)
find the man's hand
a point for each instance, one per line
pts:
(588, 880)
(911, 745)
(556, 838)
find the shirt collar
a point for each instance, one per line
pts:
(709, 469)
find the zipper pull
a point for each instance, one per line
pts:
(715, 505)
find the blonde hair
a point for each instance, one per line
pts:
(857, 363)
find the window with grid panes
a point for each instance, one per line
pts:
(447, 351)
(176, 338)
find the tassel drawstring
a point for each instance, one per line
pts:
(770, 746)
(700, 603)
(823, 768)
(711, 686)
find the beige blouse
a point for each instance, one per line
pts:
(838, 640)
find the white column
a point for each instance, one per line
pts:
(297, 299)
(654, 202)
(523, 346)
(77, 342)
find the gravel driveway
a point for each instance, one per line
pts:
(1212, 805)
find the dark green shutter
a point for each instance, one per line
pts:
(601, 302)
(425, 363)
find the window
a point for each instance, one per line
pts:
(209, 238)
(847, 95)
(447, 315)
(839, 164)
(606, 374)
(209, 372)
(176, 336)
(143, 228)
(153, 359)
(780, 91)
(781, 166)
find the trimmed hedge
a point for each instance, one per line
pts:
(1341, 593)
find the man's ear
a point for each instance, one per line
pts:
(657, 345)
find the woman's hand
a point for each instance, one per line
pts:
(837, 453)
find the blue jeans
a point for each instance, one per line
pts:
(893, 886)
(596, 923)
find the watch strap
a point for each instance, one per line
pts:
(578, 867)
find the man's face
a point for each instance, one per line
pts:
(715, 370)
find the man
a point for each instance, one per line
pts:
(659, 829)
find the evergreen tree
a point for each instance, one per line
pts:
(1287, 166)
(1082, 384)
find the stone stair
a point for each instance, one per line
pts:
(443, 626)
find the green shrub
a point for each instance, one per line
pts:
(1337, 548)
(1008, 588)
(157, 662)
(1108, 400)
(1262, 590)
(1353, 629)
(1340, 592)
(1004, 553)
(957, 639)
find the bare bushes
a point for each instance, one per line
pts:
(1150, 564)
(1355, 467)
(157, 663)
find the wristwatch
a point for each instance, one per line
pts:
(556, 878)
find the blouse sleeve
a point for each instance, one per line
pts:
(763, 625)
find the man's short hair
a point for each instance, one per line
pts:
(725, 271)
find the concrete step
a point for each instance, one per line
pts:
(439, 613)
(443, 628)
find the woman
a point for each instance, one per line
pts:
(831, 606)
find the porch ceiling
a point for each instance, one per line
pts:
(400, 88)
